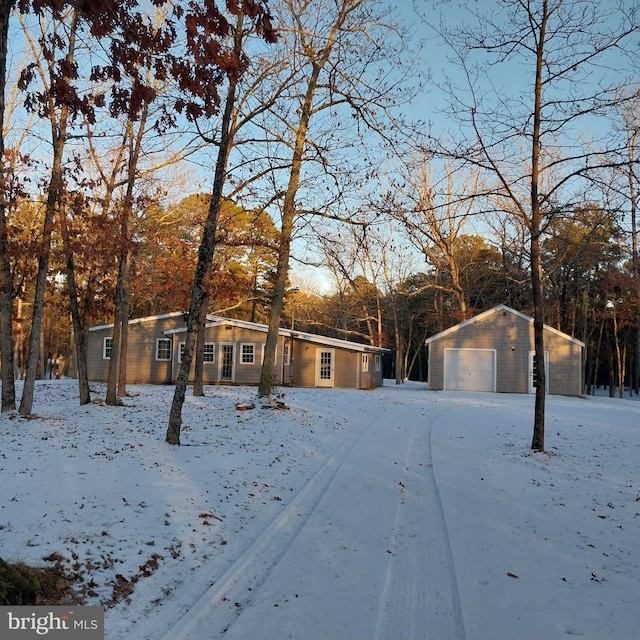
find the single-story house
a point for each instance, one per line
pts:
(233, 352)
(493, 351)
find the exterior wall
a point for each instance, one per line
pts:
(512, 338)
(347, 371)
(371, 377)
(376, 375)
(565, 365)
(303, 364)
(142, 366)
(244, 373)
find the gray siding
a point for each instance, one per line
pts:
(244, 373)
(347, 369)
(512, 338)
(143, 367)
(565, 366)
(347, 372)
(304, 363)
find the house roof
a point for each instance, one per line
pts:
(216, 321)
(162, 316)
(489, 312)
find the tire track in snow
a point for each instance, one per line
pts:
(420, 598)
(220, 606)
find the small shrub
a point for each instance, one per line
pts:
(22, 585)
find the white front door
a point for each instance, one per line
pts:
(227, 360)
(324, 367)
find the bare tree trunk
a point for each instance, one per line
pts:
(79, 332)
(207, 246)
(537, 443)
(6, 298)
(634, 256)
(596, 359)
(124, 331)
(400, 360)
(267, 375)
(116, 350)
(622, 368)
(117, 378)
(198, 382)
(26, 403)
(58, 135)
(585, 337)
(438, 299)
(612, 370)
(116, 339)
(619, 361)
(18, 357)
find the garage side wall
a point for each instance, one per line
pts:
(565, 365)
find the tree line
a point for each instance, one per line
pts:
(168, 155)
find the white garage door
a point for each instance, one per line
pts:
(470, 369)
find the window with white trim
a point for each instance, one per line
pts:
(247, 353)
(365, 362)
(209, 353)
(287, 354)
(107, 348)
(378, 364)
(163, 349)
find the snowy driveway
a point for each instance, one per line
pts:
(360, 552)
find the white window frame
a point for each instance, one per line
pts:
(378, 362)
(365, 363)
(212, 353)
(161, 341)
(107, 346)
(244, 354)
(204, 353)
(287, 354)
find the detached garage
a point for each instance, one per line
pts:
(493, 351)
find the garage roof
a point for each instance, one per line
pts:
(496, 309)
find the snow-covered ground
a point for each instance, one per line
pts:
(391, 514)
